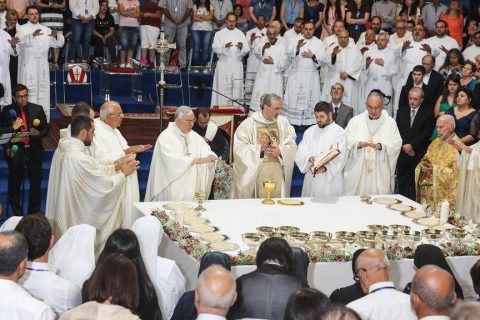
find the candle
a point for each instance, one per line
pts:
(444, 211)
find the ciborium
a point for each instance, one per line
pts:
(269, 187)
(200, 197)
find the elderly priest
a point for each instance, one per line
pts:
(182, 162)
(264, 149)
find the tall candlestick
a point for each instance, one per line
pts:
(444, 212)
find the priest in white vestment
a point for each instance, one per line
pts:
(380, 67)
(109, 144)
(442, 42)
(264, 149)
(396, 41)
(344, 63)
(274, 60)
(327, 180)
(474, 50)
(253, 37)
(84, 189)
(79, 109)
(373, 146)
(303, 86)
(468, 204)
(7, 48)
(182, 162)
(33, 70)
(230, 45)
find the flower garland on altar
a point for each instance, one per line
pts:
(194, 247)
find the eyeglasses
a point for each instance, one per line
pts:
(116, 114)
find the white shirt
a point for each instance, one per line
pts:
(471, 52)
(384, 302)
(16, 303)
(46, 286)
(207, 316)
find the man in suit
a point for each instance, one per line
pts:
(341, 112)
(352, 292)
(417, 75)
(415, 123)
(28, 152)
(432, 79)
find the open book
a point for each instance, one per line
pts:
(325, 158)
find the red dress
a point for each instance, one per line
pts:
(455, 27)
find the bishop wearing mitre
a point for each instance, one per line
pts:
(264, 149)
(182, 162)
(373, 146)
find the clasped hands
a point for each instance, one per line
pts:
(408, 149)
(270, 152)
(375, 146)
(127, 164)
(210, 158)
(239, 45)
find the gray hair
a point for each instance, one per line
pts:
(183, 111)
(208, 295)
(373, 262)
(107, 108)
(267, 98)
(427, 294)
(385, 34)
(417, 90)
(13, 250)
(449, 118)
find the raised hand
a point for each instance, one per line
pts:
(406, 45)
(300, 43)
(239, 45)
(228, 45)
(426, 47)
(336, 50)
(379, 61)
(37, 33)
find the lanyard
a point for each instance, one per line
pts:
(31, 269)
(382, 288)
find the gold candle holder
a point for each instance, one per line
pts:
(269, 187)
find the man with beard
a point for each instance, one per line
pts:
(295, 31)
(341, 112)
(230, 45)
(443, 42)
(253, 37)
(375, 24)
(86, 190)
(318, 141)
(271, 53)
(211, 133)
(474, 50)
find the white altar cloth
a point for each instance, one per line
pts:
(234, 217)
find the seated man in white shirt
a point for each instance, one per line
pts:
(382, 301)
(39, 280)
(15, 302)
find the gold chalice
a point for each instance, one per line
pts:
(269, 186)
(200, 197)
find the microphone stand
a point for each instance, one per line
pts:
(242, 104)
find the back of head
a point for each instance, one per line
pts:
(276, 250)
(115, 279)
(355, 256)
(80, 123)
(216, 290)
(214, 258)
(122, 241)
(37, 231)
(338, 312)
(372, 267)
(81, 109)
(468, 310)
(13, 251)
(306, 304)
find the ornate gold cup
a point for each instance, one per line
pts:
(269, 186)
(200, 197)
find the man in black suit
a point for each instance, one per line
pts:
(417, 75)
(353, 292)
(415, 123)
(432, 79)
(341, 112)
(28, 152)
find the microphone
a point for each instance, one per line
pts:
(36, 122)
(13, 114)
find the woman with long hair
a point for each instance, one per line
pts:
(447, 99)
(454, 19)
(410, 11)
(466, 117)
(202, 32)
(125, 241)
(453, 63)
(358, 15)
(242, 22)
(334, 11)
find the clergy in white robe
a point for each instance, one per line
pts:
(182, 162)
(471, 52)
(79, 109)
(230, 45)
(33, 70)
(274, 60)
(380, 67)
(344, 63)
(83, 189)
(373, 146)
(7, 48)
(396, 41)
(303, 86)
(442, 42)
(253, 37)
(109, 145)
(264, 149)
(317, 141)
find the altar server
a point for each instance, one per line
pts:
(8, 48)
(318, 140)
(253, 37)
(230, 45)
(34, 42)
(344, 63)
(86, 191)
(373, 145)
(182, 162)
(442, 42)
(109, 144)
(273, 61)
(303, 86)
(264, 149)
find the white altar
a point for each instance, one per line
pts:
(235, 217)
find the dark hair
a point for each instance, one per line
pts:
(207, 5)
(80, 123)
(30, 8)
(11, 12)
(336, 311)
(275, 249)
(37, 231)
(17, 88)
(456, 52)
(411, 22)
(352, 7)
(305, 304)
(412, 11)
(13, 252)
(323, 106)
(81, 108)
(355, 256)
(475, 275)
(338, 11)
(125, 241)
(115, 279)
(214, 258)
(2, 91)
(467, 91)
(299, 19)
(442, 21)
(419, 68)
(204, 111)
(472, 64)
(241, 9)
(451, 78)
(231, 14)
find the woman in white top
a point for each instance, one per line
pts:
(202, 32)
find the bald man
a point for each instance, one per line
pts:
(216, 292)
(383, 300)
(109, 144)
(433, 292)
